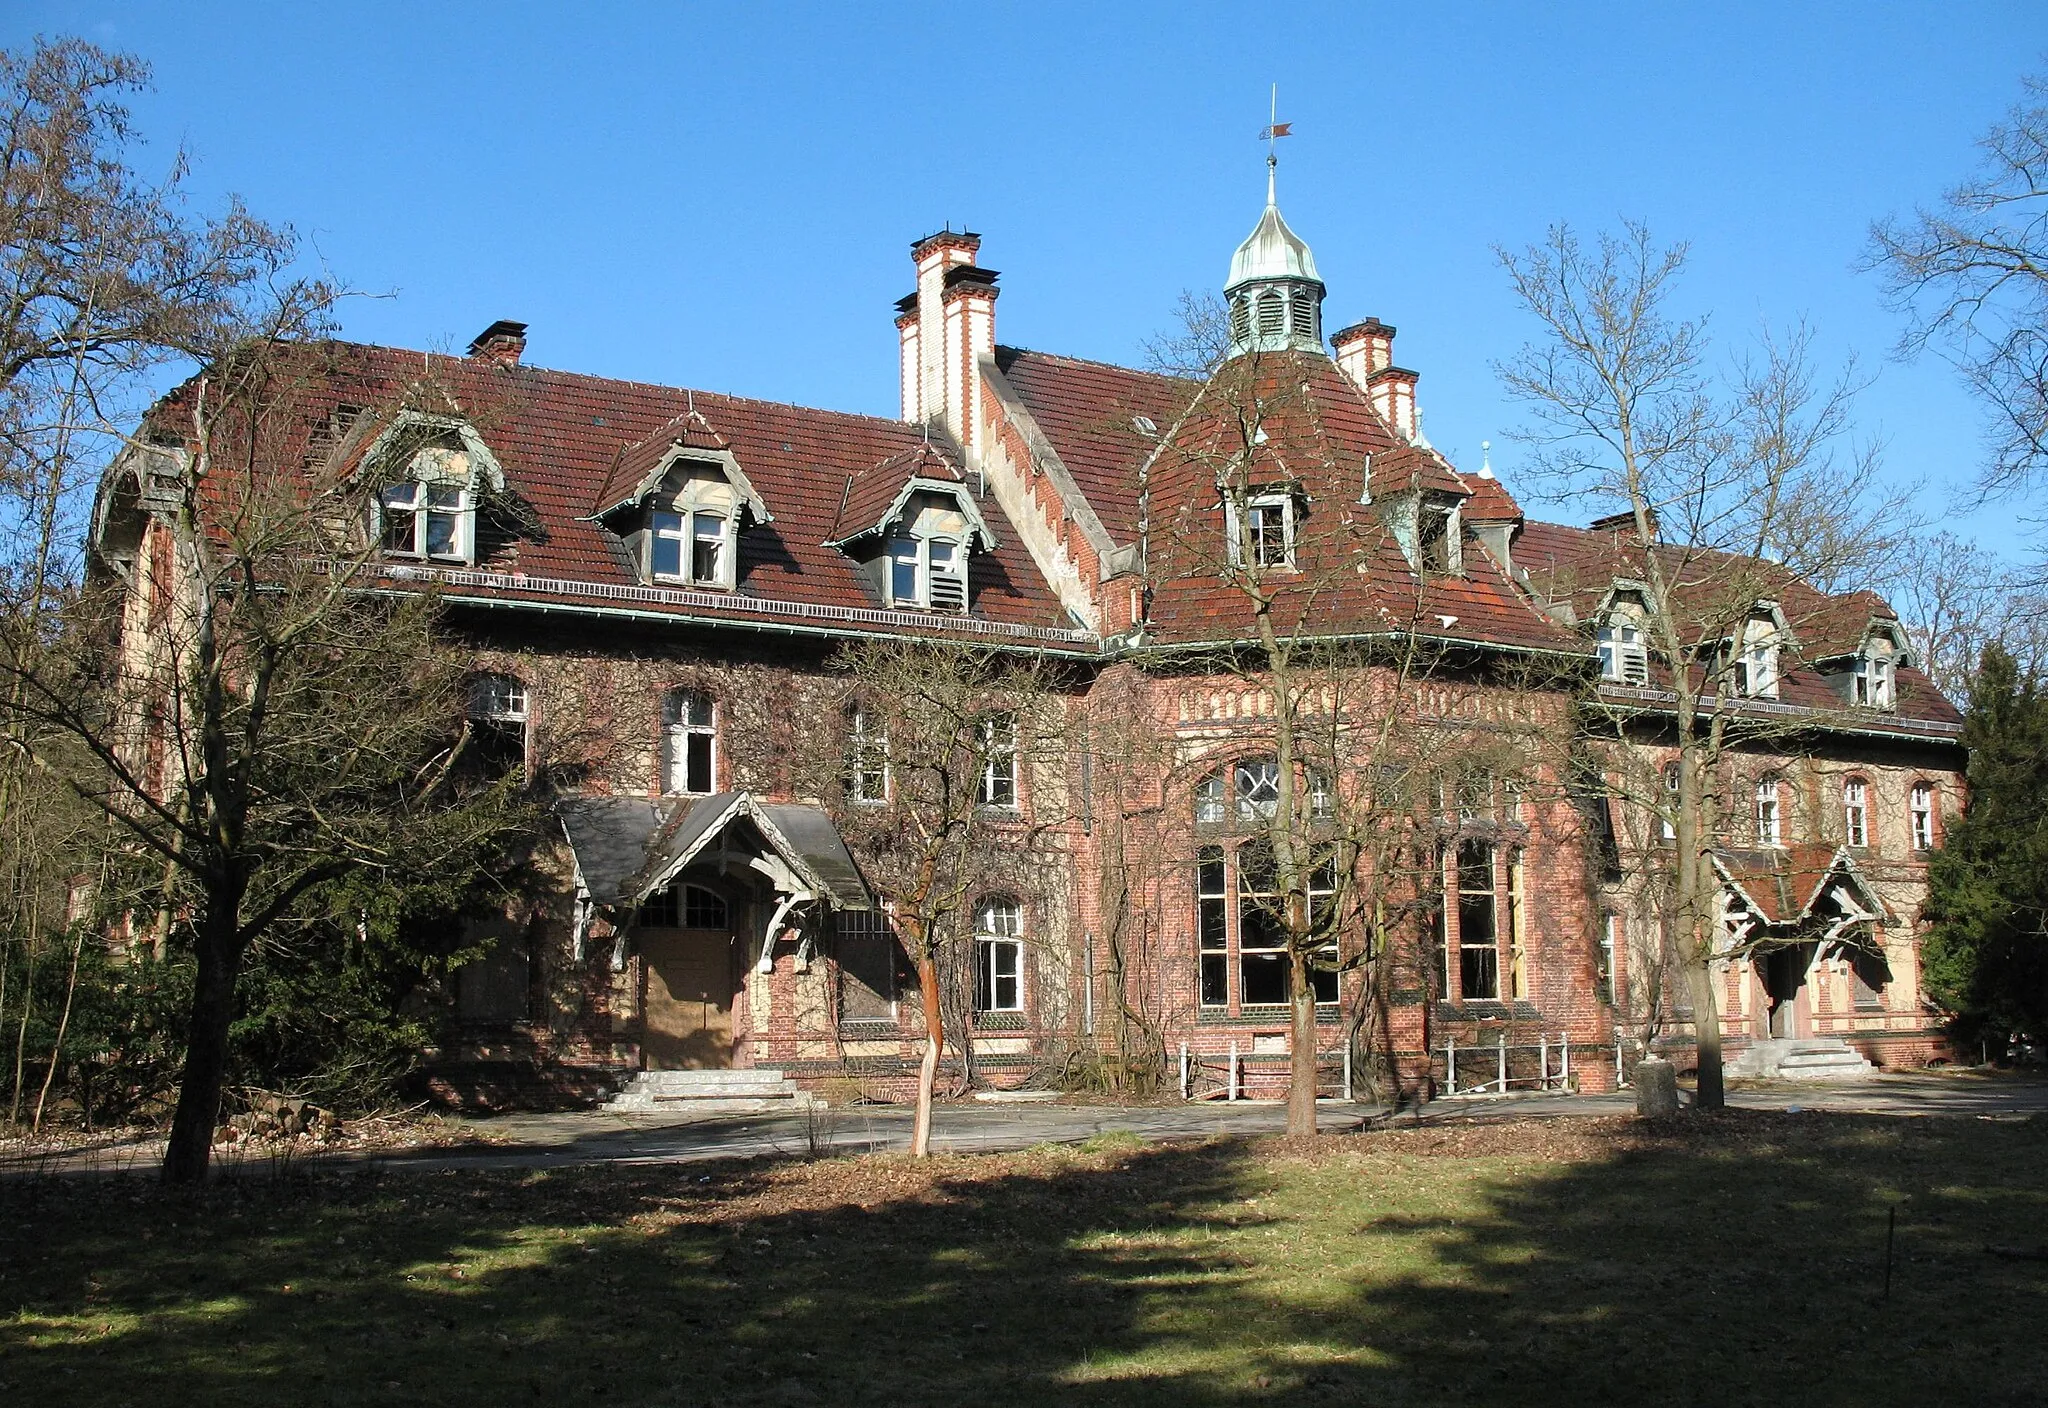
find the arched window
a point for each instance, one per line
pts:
(999, 955)
(497, 724)
(1920, 812)
(1768, 830)
(684, 907)
(1856, 812)
(1256, 784)
(689, 742)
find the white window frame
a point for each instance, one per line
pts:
(415, 499)
(996, 746)
(1623, 656)
(938, 580)
(1756, 662)
(1768, 812)
(679, 728)
(1667, 819)
(1855, 812)
(998, 955)
(690, 529)
(1873, 684)
(1250, 526)
(867, 758)
(1920, 812)
(1255, 788)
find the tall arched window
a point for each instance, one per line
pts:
(1920, 812)
(689, 742)
(1856, 812)
(1768, 830)
(999, 955)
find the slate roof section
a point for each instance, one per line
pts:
(625, 848)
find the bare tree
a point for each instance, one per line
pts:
(1972, 275)
(1732, 497)
(949, 785)
(104, 275)
(255, 720)
(1957, 598)
(1360, 742)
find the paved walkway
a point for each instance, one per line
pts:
(550, 1141)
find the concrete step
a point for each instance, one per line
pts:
(713, 1092)
(1803, 1058)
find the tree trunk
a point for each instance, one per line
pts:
(1301, 1064)
(934, 1043)
(1706, 1026)
(206, 1050)
(63, 1026)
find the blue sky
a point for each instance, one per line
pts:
(722, 196)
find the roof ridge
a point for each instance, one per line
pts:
(1097, 362)
(592, 378)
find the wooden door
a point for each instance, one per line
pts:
(688, 1006)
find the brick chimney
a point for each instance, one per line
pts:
(943, 330)
(1365, 354)
(503, 343)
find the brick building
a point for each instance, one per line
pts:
(656, 582)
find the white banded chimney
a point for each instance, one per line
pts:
(1365, 354)
(943, 331)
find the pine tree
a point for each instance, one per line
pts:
(1986, 953)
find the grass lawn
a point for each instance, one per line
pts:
(1730, 1259)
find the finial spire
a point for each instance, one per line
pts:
(1274, 131)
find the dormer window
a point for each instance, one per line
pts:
(1871, 682)
(1755, 667)
(1623, 656)
(1263, 537)
(678, 501)
(927, 574)
(427, 520)
(695, 548)
(1436, 540)
(432, 470)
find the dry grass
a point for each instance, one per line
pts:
(1729, 1259)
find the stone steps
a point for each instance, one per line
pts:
(1801, 1058)
(738, 1092)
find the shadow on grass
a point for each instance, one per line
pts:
(1733, 1260)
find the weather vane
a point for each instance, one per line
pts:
(1270, 134)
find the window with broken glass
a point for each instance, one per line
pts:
(689, 720)
(1241, 931)
(999, 955)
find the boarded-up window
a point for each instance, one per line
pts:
(866, 949)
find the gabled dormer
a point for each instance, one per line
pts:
(1422, 503)
(431, 471)
(679, 501)
(1754, 652)
(912, 525)
(1621, 633)
(1866, 677)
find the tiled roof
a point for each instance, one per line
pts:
(873, 491)
(1352, 576)
(565, 440)
(1577, 566)
(1087, 410)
